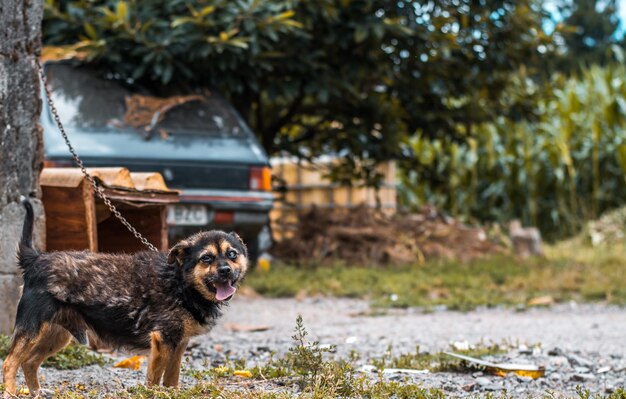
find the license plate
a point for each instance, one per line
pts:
(187, 215)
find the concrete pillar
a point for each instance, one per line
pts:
(21, 145)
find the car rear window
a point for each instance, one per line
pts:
(87, 100)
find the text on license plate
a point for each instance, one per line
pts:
(187, 215)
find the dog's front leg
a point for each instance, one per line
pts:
(172, 368)
(160, 354)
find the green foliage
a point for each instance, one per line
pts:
(437, 362)
(306, 365)
(380, 389)
(74, 357)
(566, 167)
(588, 31)
(349, 77)
(569, 272)
(71, 358)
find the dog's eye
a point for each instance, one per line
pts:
(208, 259)
(231, 254)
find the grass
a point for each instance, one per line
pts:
(436, 362)
(379, 390)
(71, 358)
(567, 272)
(306, 371)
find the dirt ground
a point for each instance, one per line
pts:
(578, 344)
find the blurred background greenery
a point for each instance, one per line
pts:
(494, 109)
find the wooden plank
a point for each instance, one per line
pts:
(90, 215)
(142, 197)
(66, 223)
(113, 236)
(61, 177)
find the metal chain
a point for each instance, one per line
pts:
(99, 190)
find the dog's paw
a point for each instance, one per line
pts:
(43, 394)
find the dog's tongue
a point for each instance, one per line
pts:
(224, 291)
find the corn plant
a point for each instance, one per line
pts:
(566, 167)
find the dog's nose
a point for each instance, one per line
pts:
(224, 271)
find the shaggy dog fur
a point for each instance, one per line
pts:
(148, 301)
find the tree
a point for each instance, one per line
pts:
(348, 77)
(589, 30)
(20, 135)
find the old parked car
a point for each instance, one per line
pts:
(202, 148)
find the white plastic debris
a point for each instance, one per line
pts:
(352, 340)
(461, 345)
(405, 371)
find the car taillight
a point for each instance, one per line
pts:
(261, 178)
(224, 217)
(57, 164)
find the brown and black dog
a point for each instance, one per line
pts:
(148, 301)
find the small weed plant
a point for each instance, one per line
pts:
(309, 371)
(434, 362)
(71, 358)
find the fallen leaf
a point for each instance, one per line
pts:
(461, 345)
(23, 391)
(242, 373)
(133, 363)
(248, 292)
(541, 301)
(301, 295)
(264, 264)
(245, 328)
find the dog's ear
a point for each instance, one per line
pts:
(236, 237)
(177, 253)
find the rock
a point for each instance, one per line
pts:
(582, 370)
(524, 379)
(583, 377)
(493, 387)
(21, 151)
(555, 376)
(556, 352)
(469, 387)
(483, 381)
(579, 361)
(526, 241)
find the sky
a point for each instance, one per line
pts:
(550, 6)
(622, 15)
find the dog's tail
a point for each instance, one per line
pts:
(26, 249)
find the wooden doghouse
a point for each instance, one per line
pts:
(77, 219)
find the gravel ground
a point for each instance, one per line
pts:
(578, 344)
